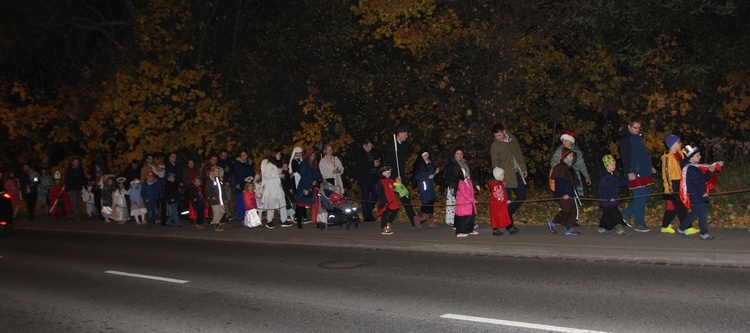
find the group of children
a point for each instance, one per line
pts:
(686, 186)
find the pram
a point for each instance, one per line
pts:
(329, 214)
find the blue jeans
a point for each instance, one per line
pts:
(368, 200)
(174, 215)
(516, 202)
(699, 211)
(637, 207)
(151, 212)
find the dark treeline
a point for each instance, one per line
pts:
(112, 79)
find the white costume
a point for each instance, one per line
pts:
(273, 193)
(119, 206)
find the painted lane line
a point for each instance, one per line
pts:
(149, 277)
(518, 324)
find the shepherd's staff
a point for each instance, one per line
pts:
(395, 146)
(52, 209)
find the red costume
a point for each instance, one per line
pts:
(498, 204)
(387, 196)
(60, 201)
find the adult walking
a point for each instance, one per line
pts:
(75, 180)
(395, 158)
(569, 142)
(636, 163)
(309, 178)
(331, 168)
(367, 175)
(29, 181)
(505, 153)
(424, 179)
(273, 193)
(458, 178)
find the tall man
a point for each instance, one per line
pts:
(75, 180)
(367, 170)
(505, 153)
(399, 150)
(636, 163)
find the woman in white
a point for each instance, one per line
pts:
(331, 168)
(273, 193)
(294, 162)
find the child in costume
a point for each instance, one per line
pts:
(697, 181)
(119, 203)
(88, 198)
(387, 200)
(252, 218)
(609, 194)
(498, 202)
(137, 208)
(565, 189)
(197, 204)
(61, 206)
(671, 174)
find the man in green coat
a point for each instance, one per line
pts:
(505, 153)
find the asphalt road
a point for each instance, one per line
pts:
(52, 282)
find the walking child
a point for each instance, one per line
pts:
(609, 195)
(498, 202)
(387, 200)
(694, 191)
(565, 189)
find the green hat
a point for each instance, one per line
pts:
(607, 159)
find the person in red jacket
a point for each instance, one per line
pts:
(387, 200)
(498, 202)
(61, 205)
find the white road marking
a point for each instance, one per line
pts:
(149, 277)
(518, 324)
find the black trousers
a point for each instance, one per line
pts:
(30, 199)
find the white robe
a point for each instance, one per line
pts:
(119, 206)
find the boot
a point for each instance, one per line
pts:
(431, 224)
(418, 221)
(299, 222)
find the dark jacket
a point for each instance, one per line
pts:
(174, 169)
(172, 193)
(609, 185)
(564, 186)
(366, 173)
(635, 157)
(130, 173)
(696, 180)
(75, 179)
(453, 175)
(390, 160)
(307, 174)
(242, 171)
(150, 192)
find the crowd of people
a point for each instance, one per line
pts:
(151, 192)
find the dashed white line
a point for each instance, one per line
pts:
(148, 277)
(518, 324)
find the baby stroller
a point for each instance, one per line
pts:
(330, 214)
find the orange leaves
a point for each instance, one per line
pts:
(327, 127)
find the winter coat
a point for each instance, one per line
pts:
(172, 192)
(390, 160)
(671, 170)
(75, 179)
(241, 172)
(308, 174)
(366, 172)
(327, 166)
(465, 201)
(609, 185)
(423, 183)
(215, 192)
(499, 215)
(696, 180)
(635, 157)
(174, 169)
(150, 191)
(507, 154)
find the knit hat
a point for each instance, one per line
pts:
(690, 151)
(569, 136)
(607, 160)
(670, 140)
(58, 175)
(497, 172)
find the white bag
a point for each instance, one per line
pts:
(252, 219)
